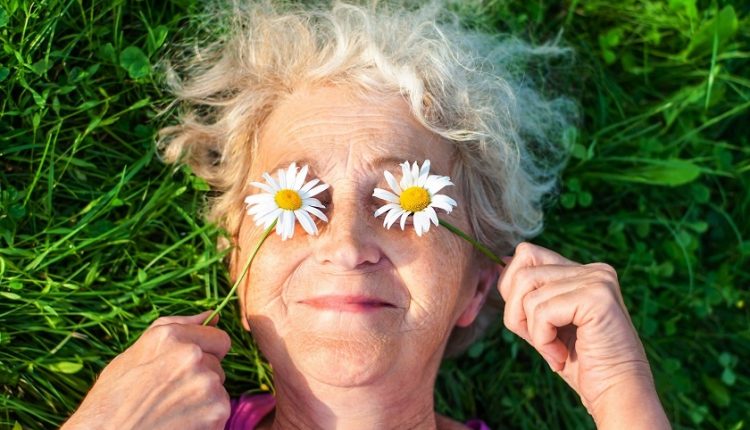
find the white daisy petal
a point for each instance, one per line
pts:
(414, 172)
(316, 212)
(311, 201)
(261, 209)
(421, 223)
(272, 182)
(392, 182)
(392, 217)
(425, 170)
(404, 216)
(291, 175)
(443, 202)
(280, 229)
(291, 223)
(424, 173)
(317, 190)
(287, 219)
(255, 199)
(263, 219)
(406, 178)
(300, 180)
(306, 222)
(308, 186)
(281, 173)
(269, 218)
(436, 183)
(265, 187)
(432, 215)
(390, 206)
(385, 195)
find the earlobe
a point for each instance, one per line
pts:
(487, 280)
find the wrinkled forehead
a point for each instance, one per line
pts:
(337, 132)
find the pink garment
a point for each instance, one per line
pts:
(250, 409)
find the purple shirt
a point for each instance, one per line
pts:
(250, 409)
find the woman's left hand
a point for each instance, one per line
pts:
(574, 316)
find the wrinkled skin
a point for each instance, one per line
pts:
(374, 366)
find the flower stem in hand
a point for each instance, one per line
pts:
(224, 302)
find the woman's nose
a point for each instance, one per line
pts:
(348, 241)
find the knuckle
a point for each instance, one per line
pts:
(218, 412)
(540, 308)
(162, 334)
(191, 354)
(160, 321)
(510, 323)
(530, 300)
(524, 275)
(207, 381)
(524, 248)
(600, 293)
(226, 340)
(606, 271)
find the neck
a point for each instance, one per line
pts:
(319, 406)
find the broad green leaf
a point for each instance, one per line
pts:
(721, 27)
(156, 38)
(718, 393)
(135, 62)
(10, 296)
(65, 367)
(40, 67)
(3, 18)
(728, 377)
(686, 6)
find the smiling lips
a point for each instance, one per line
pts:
(348, 303)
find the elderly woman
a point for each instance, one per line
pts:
(355, 318)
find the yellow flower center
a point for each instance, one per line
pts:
(288, 199)
(414, 199)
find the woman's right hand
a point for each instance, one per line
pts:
(170, 378)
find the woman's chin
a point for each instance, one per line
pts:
(344, 361)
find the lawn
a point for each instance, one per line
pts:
(98, 237)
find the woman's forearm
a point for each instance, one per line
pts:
(636, 406)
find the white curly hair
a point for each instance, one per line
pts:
(470, 87)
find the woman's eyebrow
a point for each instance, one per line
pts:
(283, 164)
(388, 161)
(380, 163)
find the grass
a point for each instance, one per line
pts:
(98, 238)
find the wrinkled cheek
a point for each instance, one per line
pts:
(429, 314)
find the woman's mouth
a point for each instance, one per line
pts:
(348, 303)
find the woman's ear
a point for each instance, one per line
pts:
(487, 279)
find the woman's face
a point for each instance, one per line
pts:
(356, 302)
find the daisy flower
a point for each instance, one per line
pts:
(416, 194)
(287, 200)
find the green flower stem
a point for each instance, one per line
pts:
(483, 249)
(224, 302)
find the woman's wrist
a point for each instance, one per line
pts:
(631, 405)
